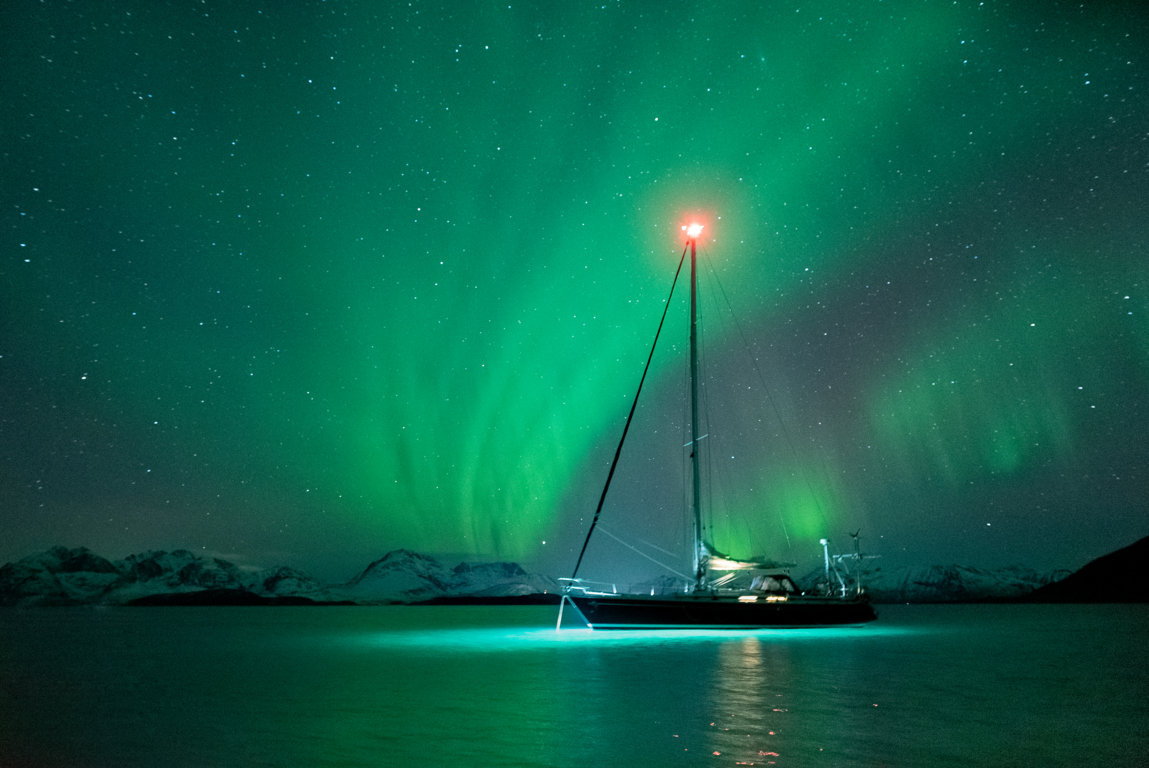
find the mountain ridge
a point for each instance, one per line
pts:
(1117, 576)
(62, 576)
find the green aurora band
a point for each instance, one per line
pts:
(326, 279)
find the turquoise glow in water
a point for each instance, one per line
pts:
(924, 686)
(502, 640)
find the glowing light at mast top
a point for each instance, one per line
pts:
(692, 230)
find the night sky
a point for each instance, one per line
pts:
(300, 283)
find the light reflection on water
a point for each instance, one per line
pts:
(751, 696)
(930, 686)
(513, 638)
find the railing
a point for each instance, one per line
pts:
(583, 586)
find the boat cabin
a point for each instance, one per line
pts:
(773, 584)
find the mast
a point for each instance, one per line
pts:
(696, 487)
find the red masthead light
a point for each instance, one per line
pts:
(692, 230)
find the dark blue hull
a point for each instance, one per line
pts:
(708, 611)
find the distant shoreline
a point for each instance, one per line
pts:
(240, 598)
(225, 597)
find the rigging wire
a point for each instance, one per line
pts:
(629, 417)
(777, 413)
(714, 467)
(639, 552)
(708, 457)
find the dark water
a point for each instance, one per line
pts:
(924, 686)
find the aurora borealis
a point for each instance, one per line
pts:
(304, 282)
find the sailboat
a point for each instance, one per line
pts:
(726, 593)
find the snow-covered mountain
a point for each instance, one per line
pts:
(952, 583)
(60, 576)
(401, 575)
(63, 576)
(406, 576)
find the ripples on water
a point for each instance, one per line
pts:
(924, 686)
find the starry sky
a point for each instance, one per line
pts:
(300, 283)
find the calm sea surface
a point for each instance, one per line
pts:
(497, 686)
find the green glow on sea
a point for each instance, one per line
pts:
(420, 628)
